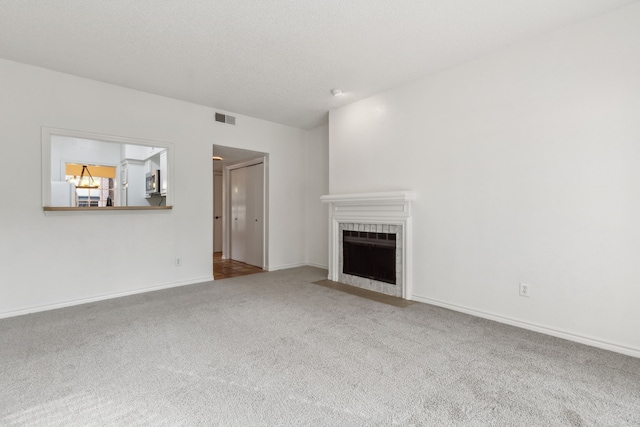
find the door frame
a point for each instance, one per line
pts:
(226, 207)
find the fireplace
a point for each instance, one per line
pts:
(370, 241)
(369, 255)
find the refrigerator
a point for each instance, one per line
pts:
(63, 194)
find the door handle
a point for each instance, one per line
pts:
(218, 217)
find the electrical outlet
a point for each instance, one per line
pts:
(178, 262)
(525, 290)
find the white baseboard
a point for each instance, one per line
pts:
(286, 266)
(36, 309)
(296, 265)
(594, 342)
(313, 264)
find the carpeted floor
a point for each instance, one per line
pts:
(273, 349)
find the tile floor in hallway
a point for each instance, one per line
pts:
(224, 268)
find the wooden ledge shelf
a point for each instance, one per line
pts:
(105, 209)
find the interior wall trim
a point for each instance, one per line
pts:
(286, 266)
(322, 266)
(47, 307)
(559, 333)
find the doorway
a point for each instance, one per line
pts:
(240, 211)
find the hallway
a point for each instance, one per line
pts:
(225, 268)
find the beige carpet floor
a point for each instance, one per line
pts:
(274, 349)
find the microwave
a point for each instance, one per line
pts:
(153, 182)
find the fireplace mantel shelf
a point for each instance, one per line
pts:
(386, 196)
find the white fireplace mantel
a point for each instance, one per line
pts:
(393, 208)
(385, 197)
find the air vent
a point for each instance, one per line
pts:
(222, 118)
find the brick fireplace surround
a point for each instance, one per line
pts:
(384, 212)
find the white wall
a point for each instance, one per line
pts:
(135, 152)
(526, 165)
(317, 214)
(77, 150)
(40, 255)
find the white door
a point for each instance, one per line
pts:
(247, 214)
(238, 214)
(217, 213)
(255, 214)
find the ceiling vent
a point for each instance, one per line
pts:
(225, 118)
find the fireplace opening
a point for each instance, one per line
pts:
(369, 255)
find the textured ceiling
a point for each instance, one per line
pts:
(272, 59)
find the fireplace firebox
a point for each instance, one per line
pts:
(370, 255)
